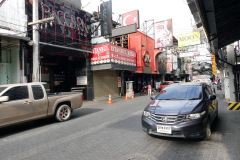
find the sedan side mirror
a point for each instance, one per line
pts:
(4, 99)
(212, 97)
(152, 97)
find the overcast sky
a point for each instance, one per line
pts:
(159, 10)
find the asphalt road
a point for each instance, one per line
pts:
(101, 131)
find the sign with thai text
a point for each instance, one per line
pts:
(82, 80)
(109, 53)
(119, 82)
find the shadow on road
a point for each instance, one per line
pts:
(22, 127)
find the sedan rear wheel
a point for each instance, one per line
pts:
(63, 113)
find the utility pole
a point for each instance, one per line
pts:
(35, 75)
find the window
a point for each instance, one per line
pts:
(2, 88)
(17, 93)
(181, 92)
(37, 92)
(207, 93)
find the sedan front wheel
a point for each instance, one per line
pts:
(208, 131)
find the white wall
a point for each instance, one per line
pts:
(13, 16)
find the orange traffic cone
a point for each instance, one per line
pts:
(110, 99)
(132, 95)
(126, 98)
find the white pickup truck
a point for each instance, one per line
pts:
(29, 101)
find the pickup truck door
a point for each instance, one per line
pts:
(18, 107)
(40, 103)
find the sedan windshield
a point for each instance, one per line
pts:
(165, 83)
(181, 92)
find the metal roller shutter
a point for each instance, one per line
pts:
(105, 83)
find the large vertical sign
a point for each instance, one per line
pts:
(106, 18)
(169, 61)
(214, 71)
(131, 18)
(163, 34)
(162, 63)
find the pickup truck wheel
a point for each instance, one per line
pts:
(63, 113)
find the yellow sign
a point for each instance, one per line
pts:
(189, 39)
(214, 65)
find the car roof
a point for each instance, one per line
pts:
(190, 83)
(21, 84)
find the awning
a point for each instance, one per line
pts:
(15, 36)
(113, 66)
(220, 19)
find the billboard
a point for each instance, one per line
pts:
(163, 34)
(71, 26)
(189, 39)
(109, 53)
(106, 18)
(131, 18)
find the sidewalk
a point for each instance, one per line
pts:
(103, 100)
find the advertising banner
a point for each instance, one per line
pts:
(189, 39)
(109, 53)
(163, 34)
(214, 70)
(130, 18)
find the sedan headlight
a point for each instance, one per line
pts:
(194, 116)
(147, 114)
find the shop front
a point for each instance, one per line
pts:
(109, 64)
(147, 61)
(65, 47)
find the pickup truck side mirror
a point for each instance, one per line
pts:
(4, 99)
(152, 97)
(212, 97)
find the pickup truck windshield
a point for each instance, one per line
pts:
(181, 92)
(2, 88)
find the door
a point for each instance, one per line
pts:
(18, 107)
(105, 82)
(40, 103)
(210, 103)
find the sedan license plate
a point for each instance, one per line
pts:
(164, 129)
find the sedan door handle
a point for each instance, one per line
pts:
(27, 102)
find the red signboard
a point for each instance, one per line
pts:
(109, 53)
(130, 18)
